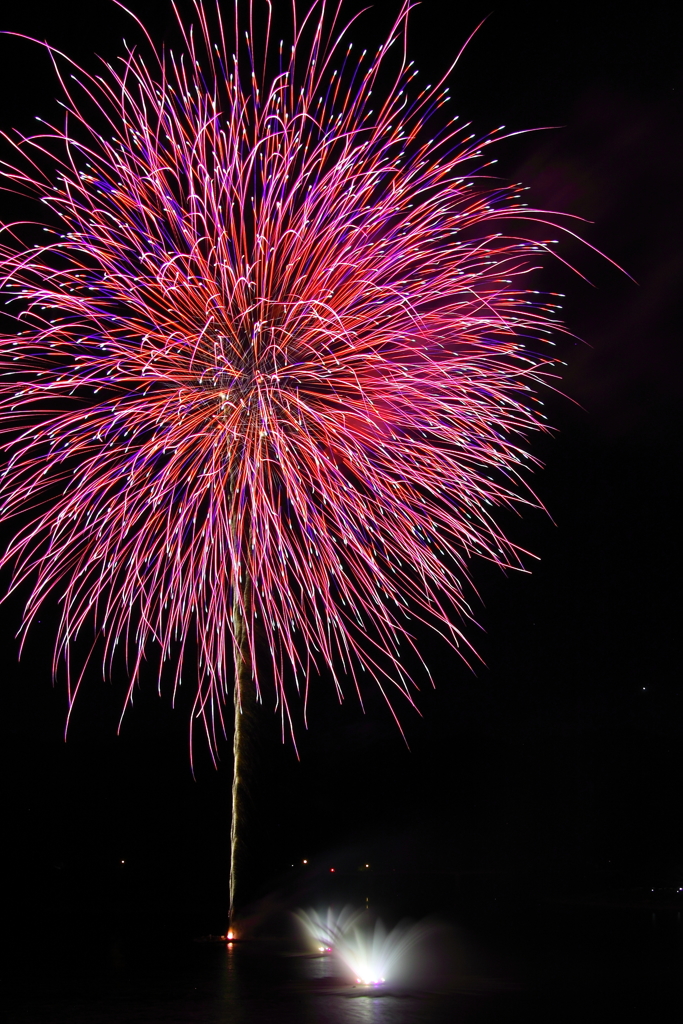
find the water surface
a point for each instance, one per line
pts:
(552, 966)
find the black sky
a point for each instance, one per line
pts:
(564, 753)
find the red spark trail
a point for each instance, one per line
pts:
(273, 368)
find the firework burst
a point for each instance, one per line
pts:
(272, 369)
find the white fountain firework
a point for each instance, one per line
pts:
(328, 929)
(371, 953)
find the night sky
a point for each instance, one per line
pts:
(560, 761)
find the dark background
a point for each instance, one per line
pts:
(557, 767)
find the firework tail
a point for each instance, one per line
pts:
(243, 706)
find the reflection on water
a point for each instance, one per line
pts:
(558, 966)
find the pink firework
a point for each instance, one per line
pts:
(274, 361)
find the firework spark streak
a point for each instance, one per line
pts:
(273, 365)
